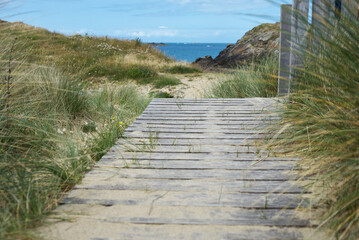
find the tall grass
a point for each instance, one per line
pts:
(52, 130)
(321, 123)
(254, 80)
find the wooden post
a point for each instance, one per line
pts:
(284, 50)
(320, 14)
(321, 23)
(300, 13)
(350, 9)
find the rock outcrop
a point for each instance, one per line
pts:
(205, 62)
(259, 42)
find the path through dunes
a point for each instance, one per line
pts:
(188, 169)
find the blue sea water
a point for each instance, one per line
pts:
(189, 52)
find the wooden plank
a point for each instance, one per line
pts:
(219, 112)
(190, 164)
(193, 185)
(140, 126)
(96, 229)
(208, 118)
(219, 108)
(248, 175)
(172, 148)
(194, 136)
(191, 130)
(187, 142)
(192, 215)
(203, 123)
(185, 199)
(113, 154)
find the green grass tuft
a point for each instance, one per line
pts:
(182, 70)
(255, 80)
(164, 81)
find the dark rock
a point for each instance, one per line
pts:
(256, 44)
(158, 44)
(205, 62)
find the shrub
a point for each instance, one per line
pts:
(139, 72)
(160, 95)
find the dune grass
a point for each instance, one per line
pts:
(164, 81)
(52, 130)
(91, 59)
(182, 70)
(321, 124)
(254, 80)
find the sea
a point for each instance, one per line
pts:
(189, 52)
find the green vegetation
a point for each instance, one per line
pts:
(255, 80)
(90, 59)
(53, 127)
(164, 81)
(160, 94)
(182, 70)
(52, 130)
(161, 81)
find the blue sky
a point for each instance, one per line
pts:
(151, 20)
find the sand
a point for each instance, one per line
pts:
(193, 85)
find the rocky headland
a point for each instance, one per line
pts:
(256, 44)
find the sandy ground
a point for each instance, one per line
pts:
(193, 85)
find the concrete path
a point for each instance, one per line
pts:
(188, 169)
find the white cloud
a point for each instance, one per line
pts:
(162, 27)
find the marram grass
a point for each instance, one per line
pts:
(321, 124)
(52, 130)
(254, 80)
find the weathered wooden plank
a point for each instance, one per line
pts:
(202, 131)
(214, 122)
(194, 136)
(187, 142)
(208, 118)
(216, 113)
(96, 229)
(192, 215)
(187, 199)
(202, 124)
(249, 175)
(203, 164)
(139, 126)
(215, 103)
(194, 108)
(113, 154)
(173, 148)
(219, 112)
(193, 185)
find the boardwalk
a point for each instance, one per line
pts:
(188, 169)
